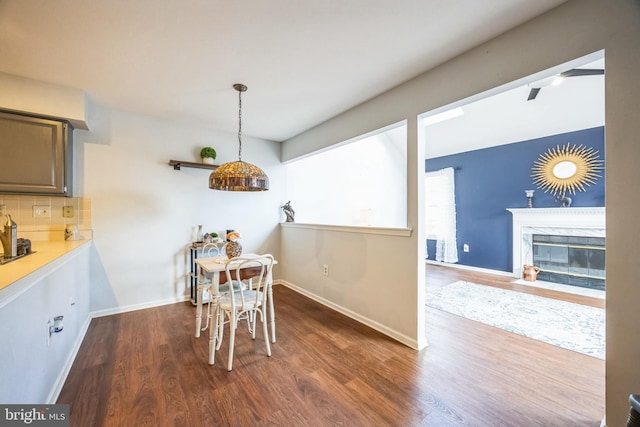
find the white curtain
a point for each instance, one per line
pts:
(441, 213)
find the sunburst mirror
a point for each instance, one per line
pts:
(566, 169)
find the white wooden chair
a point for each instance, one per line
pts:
(249, 303)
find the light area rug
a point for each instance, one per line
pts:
(572, 326)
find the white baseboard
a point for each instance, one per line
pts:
(135, 307)
(471, 268)
(408, 341)
(62, 377)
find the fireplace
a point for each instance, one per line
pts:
(570, 260)
(568, 244)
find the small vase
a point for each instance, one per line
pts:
(199, 235)
(207, 160)
(233, 249)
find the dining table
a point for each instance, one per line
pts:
(213, 268)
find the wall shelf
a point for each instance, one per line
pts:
(177, 164)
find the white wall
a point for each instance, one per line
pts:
(364, 268)
(574, 29)
(145, 213)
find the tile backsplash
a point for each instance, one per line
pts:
(51, 226)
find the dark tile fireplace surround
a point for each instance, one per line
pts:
(570, 260)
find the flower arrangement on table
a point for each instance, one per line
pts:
(233, 248)
(234, 236)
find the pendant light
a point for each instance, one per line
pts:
(239, 176)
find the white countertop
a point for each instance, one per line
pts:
(46, 252)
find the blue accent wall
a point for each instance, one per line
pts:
(490, 180)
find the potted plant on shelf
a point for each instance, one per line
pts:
(208, 155)
(211, 237)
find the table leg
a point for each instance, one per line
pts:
(212, 289)
(199, 312)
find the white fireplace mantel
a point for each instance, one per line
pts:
(585, 222)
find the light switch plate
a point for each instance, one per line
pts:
(3, 210)
(41, 211)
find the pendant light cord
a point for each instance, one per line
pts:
(240, 125)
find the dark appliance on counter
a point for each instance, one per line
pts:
(24, 247)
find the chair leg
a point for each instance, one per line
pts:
(206, 324)
(263, 318)
(253, 324)
(213, 337)
(232, 337)
(250, 322)
(220, 323)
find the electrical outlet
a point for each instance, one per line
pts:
(41, 211)
(465, 247)
(67, 211)
(325, 270)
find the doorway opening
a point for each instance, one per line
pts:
(492, 143)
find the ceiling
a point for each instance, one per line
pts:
(303, 61)
(504, 115)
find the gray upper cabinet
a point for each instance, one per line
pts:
(35, 155)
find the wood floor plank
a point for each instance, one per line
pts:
(146, 368)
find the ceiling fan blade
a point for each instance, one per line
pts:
(533, 93)
(576, 72)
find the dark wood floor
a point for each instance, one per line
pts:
(145, 368)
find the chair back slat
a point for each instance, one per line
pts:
(256, 269)
(214, 249)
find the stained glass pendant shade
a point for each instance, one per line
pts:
(239, 176)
